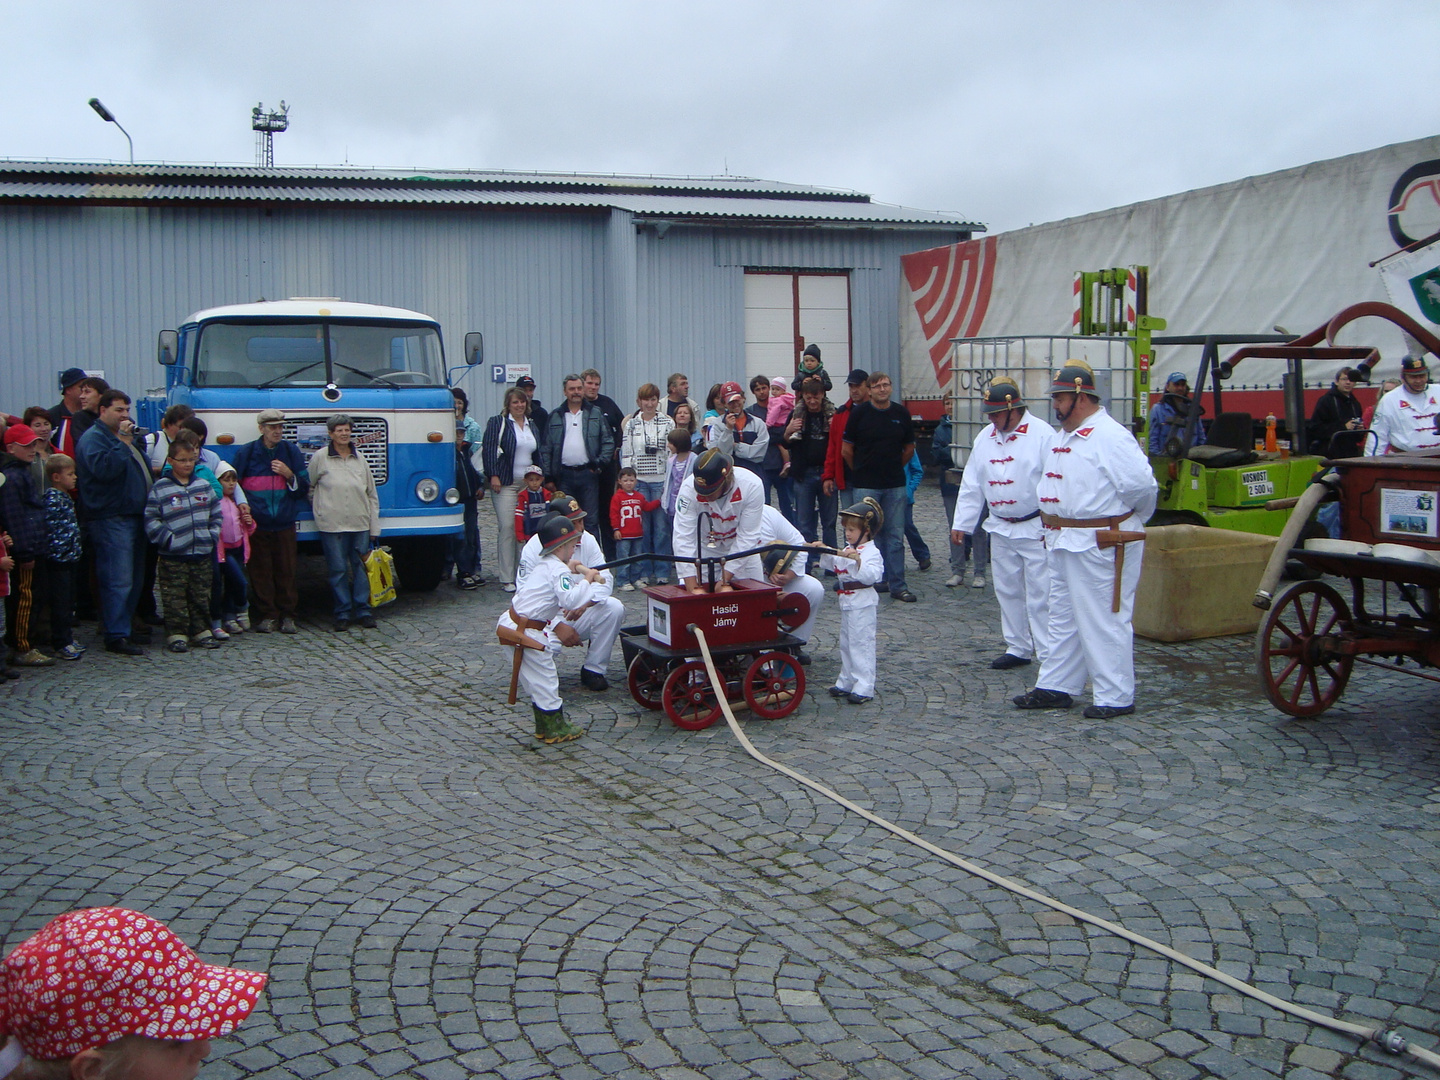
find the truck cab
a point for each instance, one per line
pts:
(312, 358)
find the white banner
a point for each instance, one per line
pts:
(1290, 248)
(1413, 282)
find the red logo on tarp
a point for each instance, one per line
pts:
(950, 288)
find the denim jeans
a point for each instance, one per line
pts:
(814, 510)
(657, 531)
(891, 540)
(627, 549)
(583, 484)
(918, 547)
(235, 586)
(345, 559)
(119, 544)
(464, 549)
(784, 493)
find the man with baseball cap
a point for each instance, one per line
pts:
(275, 479)
(1405, 417)
(1168, 417)
(737, 433)
(527, 384)
(1095, 495)
(836, 476)
(1003, 471)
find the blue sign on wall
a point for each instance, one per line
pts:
(497, 373)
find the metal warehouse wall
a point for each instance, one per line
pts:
(91, 286)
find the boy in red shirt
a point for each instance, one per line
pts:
(627, 510)
(531, 504)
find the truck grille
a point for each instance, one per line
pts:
(371, 435)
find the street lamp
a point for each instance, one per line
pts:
(109, 117)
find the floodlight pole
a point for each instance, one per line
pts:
(109, 117)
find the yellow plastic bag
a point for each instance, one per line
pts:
(380, 569)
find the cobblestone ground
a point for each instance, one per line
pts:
(361, 816)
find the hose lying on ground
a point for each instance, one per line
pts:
(1391, 1041)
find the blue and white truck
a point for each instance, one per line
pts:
(314, 357)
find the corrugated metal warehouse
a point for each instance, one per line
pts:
(635, 276)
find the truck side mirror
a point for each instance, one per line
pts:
(474, 347)
(169, 349)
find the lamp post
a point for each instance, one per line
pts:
(109, 117)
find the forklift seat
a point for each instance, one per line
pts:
(1232, 429)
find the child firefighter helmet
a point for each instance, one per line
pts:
(714, 475)
(560, 503)
(555, 531)
(1002, 395)
(868, 513)
(1076, 377)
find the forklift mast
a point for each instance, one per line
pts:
(1116, 303)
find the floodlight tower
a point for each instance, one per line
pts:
(266, 124)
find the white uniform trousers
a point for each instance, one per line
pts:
(857, 650)
(814, 591)
(537, 671)
(1021, 575)
(1086, 637)
(600, 626)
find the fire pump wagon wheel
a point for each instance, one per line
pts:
(689, 699)
(774, 685)
(1295, 650)
(646, 679)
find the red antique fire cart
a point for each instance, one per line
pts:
(747, 629)
(1311, 638)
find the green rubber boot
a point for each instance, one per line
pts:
(551, 727)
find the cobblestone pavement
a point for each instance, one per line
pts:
(361, 815)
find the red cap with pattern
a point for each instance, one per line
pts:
(93, 976)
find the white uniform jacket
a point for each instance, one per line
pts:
(588, 552)
(776, 530)
(734, 523)
(549, 589)
(848, 572)
(1003, 471)
(1096, 471)
(1404, 421)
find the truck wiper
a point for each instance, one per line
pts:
(288, 375)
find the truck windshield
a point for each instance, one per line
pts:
(294, 355)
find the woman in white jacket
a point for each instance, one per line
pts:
(644, 448)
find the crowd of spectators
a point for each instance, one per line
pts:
(99, 519)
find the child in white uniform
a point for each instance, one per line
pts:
(534, 623)
(857, 569)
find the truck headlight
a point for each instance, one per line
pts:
(427, 490)
(451, 496)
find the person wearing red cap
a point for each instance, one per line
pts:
(110, 993)
(22, 515)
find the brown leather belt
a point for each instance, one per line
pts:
(1107, 534)
(518, 640)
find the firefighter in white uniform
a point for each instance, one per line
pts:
(857, 570)
(1095, 496)
(1405, 417)
(718, 510)
(535, 624)
(787, 569)
(1003, 470)
(598, 619)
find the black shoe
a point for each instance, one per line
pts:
(802, 657)
(1107, 712)
(1006, 661)
(857, 699)
(1043, 699)
(368, 622)
(341, 625)
(141, 635)
(123, 647)
(593, 680)
(905, 596)
(924, 565)
(835, 691)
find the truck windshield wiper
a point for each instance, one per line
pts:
(288, 375)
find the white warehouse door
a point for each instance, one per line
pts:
(784, 312)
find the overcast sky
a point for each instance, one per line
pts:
(1007, 111)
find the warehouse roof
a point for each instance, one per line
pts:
(678, 199)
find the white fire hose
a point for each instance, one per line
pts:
(1305, 505)
(1391, 1041)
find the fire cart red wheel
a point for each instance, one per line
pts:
(797, 609)
(774, 685)
(689, 698)
(1301, 669)
(646, 679)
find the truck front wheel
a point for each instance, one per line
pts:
(419, 561)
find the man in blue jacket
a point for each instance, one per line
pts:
(578, 445)
(114, 482)
(273, 474)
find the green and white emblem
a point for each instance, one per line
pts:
(1426, 288)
